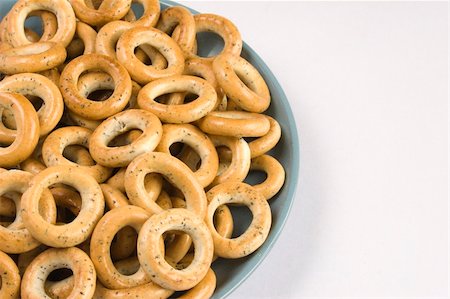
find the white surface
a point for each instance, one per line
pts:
(368, 85)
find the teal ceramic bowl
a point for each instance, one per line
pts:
(231, 273)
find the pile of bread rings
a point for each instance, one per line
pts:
(120, 149)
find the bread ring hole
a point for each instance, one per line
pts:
(124, 245)
(178, 244)
(78, 154)
(189, 156)
(36, 23)
(7, 211)
(125, 138)
(209, 44)
(7, 119)
(100, 95)
(138, 9)
(59, 274)
(255, 177)
(246, 79)
(68, 202)
(8, 208)
(190, 97)
(242, 218)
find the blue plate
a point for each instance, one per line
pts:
(231, 273)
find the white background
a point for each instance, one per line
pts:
(368, 84)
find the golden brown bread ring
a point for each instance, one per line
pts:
(81, 227)
(242, 82)
(10, 277)
(181, 18)
(118, 124)
(174, 171)
(84, 107)
(224, 28)
(51, 111)
(255, 235)
(109, 10)
(184, 113)
(27, 129)
(58, 140)
(275, 175)
(152, 259)
(32, 58)
(234, 123)
(267, 142)
(109, 35)
(108, 226)
(140, 72)
(150, 14)
(17, 15)
(200, 142)
(73, 258)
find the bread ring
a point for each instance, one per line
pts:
(10, 277)
(16, 238)
(85, 107)
(17, 15)
(181, 18)
(185, 113)
(118, 124)
(152, 259)
(58, 140)
(174, 171)
(51, 111)
(101, 239)
(197, 140)
(265, 143)
(150, 15)
(27, 129)
(109, 10)
(140, 72)
(82, 226)
(109, 35)
(234, 123)
(256, 233)
(224, 28)
(73, 258)
(32, 58)
(238, 169)
(275, 175)
(242, 82)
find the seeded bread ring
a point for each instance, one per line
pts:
(256, 233)
(152, 259)
(73, 258)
